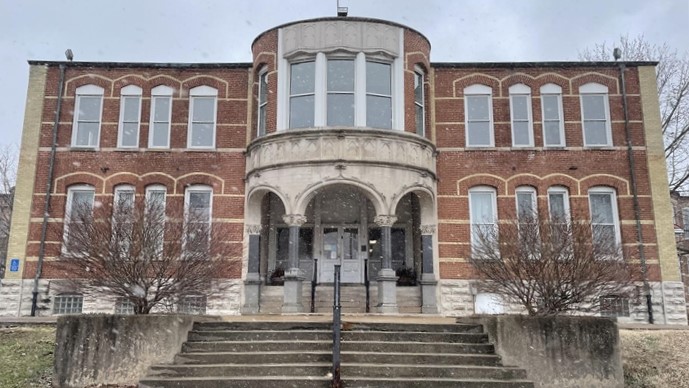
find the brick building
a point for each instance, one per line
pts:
(343, 138)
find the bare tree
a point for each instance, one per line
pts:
(672, 77)
(142, 253)
(8, 176)
(551, 267)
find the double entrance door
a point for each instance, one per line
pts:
(341, 246)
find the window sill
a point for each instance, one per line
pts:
(481, 148)
(600, 148)
(83, 149)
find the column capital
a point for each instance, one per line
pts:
(294, 219)
(253, 229)
(385, 220)
(427, 229)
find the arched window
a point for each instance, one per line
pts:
(553, 122)
(202, 116)
(88, 110)
(419, 101)
(161, 115)
(80, 199)
(130, 117)
(520, 112)
(478, 116)
(198, 205)
(595, 115)
(605, 222)
(483, 213)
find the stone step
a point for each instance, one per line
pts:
(442, 371)
(413, 336)
(277, 357)
(417, 347)
(260, 335)
(324, 381)
(223, 370)
(257, 346)
(415, 327)
(262, 325)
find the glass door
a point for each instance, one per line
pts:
(340, 246)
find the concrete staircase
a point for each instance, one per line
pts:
(299, 354)
(352, 299)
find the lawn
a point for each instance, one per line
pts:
(652, 358)
(26, 356)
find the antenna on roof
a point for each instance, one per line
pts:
(341, 11)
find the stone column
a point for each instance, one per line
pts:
(252, 284)
(292, 291)
(387, 280)
(429, 284)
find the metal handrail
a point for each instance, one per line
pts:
(366, 285)
(337, 326)
(313, 285)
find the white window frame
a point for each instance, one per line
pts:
(124, 306)
(68, 210)
(420, 104)
(478, 90)
(187, 195)
(87, 91)
(589, 90)
(360, 89)
(559, 190)
(494, 204)
(601, 190)
(534, 201)
(127, 94)
(262, 105)
(160, 92)
(68, 304)
(516, 91)
(202, 92)
(552, 90)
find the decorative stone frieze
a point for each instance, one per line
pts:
(253, 229)
(294, 219)
(385, 220)
(427, 229)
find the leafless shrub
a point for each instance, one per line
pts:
(143, 253)
(550, 267)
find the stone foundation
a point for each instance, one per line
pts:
(669, 306)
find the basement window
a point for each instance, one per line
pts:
(124, 306)
(614, 306)
(68, 304)
(192, 304)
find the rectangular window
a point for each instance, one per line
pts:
(202, 122)
(522, 129)
(123, 218)
(553, 128)
(595, 114)
(155, 217)
(87, 114)
(479, 117)
(68, 304)
(161, 111)
(604, 221)
(198, 203)
(614, 306)
(78, 208)
(685, 221)
(262, 101)
(558, 205)
(340, 97)
(419, 101)
(192, 304)
(124, 306)
(130, 111)
(483, 214)
(526, 205)
(302, 94)
(378, 95)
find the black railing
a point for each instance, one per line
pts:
(337, 321)
(366, 284)
(314, 279)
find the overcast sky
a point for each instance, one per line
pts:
(222, 31)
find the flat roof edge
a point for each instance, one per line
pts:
(539, 64)
(165, 65)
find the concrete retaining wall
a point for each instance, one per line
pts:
(563, 352)
(112, 349)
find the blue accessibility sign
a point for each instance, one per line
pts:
(14, 265)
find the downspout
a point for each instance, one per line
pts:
(635, 196)
(48, 190)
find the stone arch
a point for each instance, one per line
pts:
(255, 197)
(426, 203)
(376, 198)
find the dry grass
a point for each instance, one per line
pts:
(26, 356)
(655, 358)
